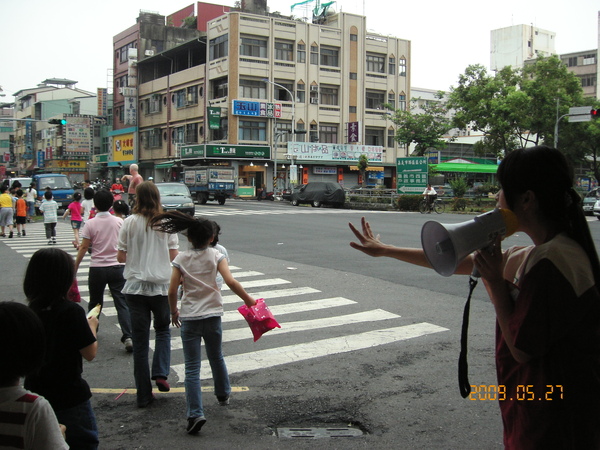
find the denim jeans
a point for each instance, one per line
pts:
(192, 332)
(82, 432)
(141, 309)
(98, 278)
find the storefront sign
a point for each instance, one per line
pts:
(238, 151)
(123, 148)
(257, 109)
(334, 152)
(214, 117)
(192, 151)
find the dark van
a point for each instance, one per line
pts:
(62, 191)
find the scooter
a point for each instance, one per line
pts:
(263, 195)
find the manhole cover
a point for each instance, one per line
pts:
(317, 433)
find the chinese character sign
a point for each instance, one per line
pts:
(79, 135)
(353, 132)
(412, 175)
(334, 152)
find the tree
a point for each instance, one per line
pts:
(515, 107)
(423, 129)
(363, 163)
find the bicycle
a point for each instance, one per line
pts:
(438, 206)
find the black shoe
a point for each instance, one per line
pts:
(24, 233)
(10, 234)
(195, 424)
(223, 400)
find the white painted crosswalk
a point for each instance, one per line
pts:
(290, 210)
(302, 311)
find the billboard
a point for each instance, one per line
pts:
(79, 135)
(123, 148)
(334, 152)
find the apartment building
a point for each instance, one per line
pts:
(512, 46)
(64, 148)
(584, 65)
(281, 100)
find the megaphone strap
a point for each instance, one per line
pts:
(463, 365)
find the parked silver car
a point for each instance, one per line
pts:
(590, 200)
(596, 210)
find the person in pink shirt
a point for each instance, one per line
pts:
(75, 210)
(101, 234)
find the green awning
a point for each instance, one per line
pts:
(164, 165)
(465, 168)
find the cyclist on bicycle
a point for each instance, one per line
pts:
(430, 195)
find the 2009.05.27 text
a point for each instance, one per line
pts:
(523, 392)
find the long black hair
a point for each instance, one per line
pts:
(199, 231)
(49, 275)
(546, 172)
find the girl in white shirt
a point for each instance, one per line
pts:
(201, 307)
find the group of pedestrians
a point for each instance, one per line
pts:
(133, 257)
(16, 208)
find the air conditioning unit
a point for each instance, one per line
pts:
(314, 88)
(149, 53)
(314, 100)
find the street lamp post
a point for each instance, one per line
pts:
(293, 100)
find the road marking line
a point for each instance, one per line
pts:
(239, 334)
(259, 283)
(272, 294)
(264, 359)
(174, 390)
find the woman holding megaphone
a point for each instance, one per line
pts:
(546, 300)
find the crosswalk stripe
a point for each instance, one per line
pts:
(291, 292)
(280, 310)
(263, 359)
(259, 283)
(239, 334)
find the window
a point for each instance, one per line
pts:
(375, 63)
(330, 56)
(300, 137)
(353, 37)
(314, 54)
(300, 93)
(301, 53)
(191, 133)
(329, 95)
(250, 130)
(180, 99)
(192, 95)
(374, 99)
(392, 65)
(390, 138)
(284, 51)
(402, 67)
(154, 138)
(256, 47)
(352, 109)
(328, 133)
(402, 102)
(154, 104)
(589, 59)
(314, 135)
(588, 80)
(374, 136)
(281, 93)
(123, 52)
(392, 100)
(253, 89)
(218, 47)
(353, 76)
(220, 88)
(178, 135)
(572, 62)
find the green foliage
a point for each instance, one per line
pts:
(459, 204)
(423, 129)
(363, 163)
(190, 22)
(515, 107)
(409, 202)
(459, 187)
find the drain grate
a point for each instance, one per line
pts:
(318, 433)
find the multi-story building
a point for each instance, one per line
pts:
(261, 92)
(512, 46)
(585, 66)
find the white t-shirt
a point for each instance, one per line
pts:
(30, 195)
(87, 206)
(148, 267)
(429, 191)
(201, 294)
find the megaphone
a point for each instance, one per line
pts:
(446, 245)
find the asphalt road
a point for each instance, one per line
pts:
(367, 346)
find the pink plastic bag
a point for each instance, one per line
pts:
(73, 293)
(259, 317)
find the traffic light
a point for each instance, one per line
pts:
(57, 121)
(595, 113)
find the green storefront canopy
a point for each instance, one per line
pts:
(465, 168)
(164, 165)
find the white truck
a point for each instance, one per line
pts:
(210, 183)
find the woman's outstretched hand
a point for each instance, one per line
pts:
(369, 244)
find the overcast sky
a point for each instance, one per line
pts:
(73, 39)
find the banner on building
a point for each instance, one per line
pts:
(130, 110)
(214, 117)
(123, 148)
(79, 135)
(102, 94)
(353, 132)
(334, 152)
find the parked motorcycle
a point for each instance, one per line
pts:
(117, 194)
(264, 195)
